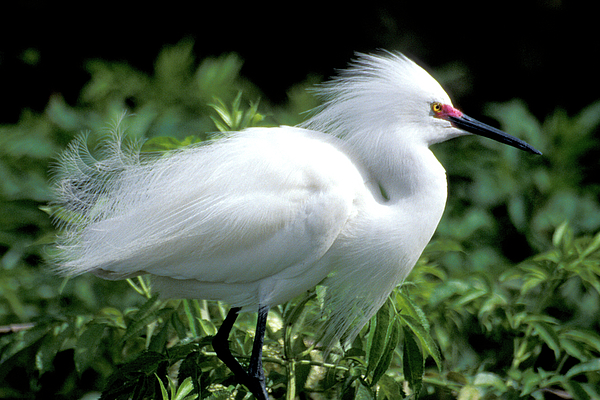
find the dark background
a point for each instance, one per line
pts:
(544, 52)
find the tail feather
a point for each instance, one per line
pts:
(83, 185)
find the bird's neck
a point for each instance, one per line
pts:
(412, 187)
(405, 174)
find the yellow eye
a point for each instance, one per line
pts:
(436, 107)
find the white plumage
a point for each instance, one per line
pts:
(265, 214)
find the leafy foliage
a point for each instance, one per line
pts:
(503, 304)
(526, 329)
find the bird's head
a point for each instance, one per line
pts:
(465, 125)
(390, 94)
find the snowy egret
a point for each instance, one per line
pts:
(349, 199)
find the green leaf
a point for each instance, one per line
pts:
(553, 256)
(193, 318)
(492, 303)
(590, 339)
(549, 336)
(517, 212)
(233, 119)
(407, 306)
(159, 340)
(141, 324)
(142, 317)
(168, 143)
(388, 353)
(223, 113)
(412, 363)
(163, 390)
(490, 379)
(251, 116)
(146, 308)
(378, 337)
(592, 247)
(577, 391)
(590, 366)
(424, 338)
(87, 346)
(178, 325)
(562, 234)
(389, 388)
(589, 118)
(573, 348)
(592, 389)
(469, 392)
(184, 389)
(136, 379)
(112, 317)
(51, 345)
(220, 126)
(444, 246)
(191, 369)
(363, 393)
(208, 327)
(535, 275)
(471, 296)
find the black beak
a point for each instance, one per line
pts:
(471, 125)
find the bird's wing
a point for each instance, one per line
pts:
(242, 209)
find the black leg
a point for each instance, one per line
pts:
(254, 379)
(255, 369)
(221, 345)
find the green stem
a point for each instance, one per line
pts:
(145, 287)
(190, 317)
(519, 356)
(291, 381)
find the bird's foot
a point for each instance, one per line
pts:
(256, 382)
(257, 388)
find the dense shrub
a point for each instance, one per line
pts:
(503, 304)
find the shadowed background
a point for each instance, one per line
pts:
(541, 51)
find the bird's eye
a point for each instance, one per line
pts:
(436, 107)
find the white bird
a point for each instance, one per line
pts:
(349, 200)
